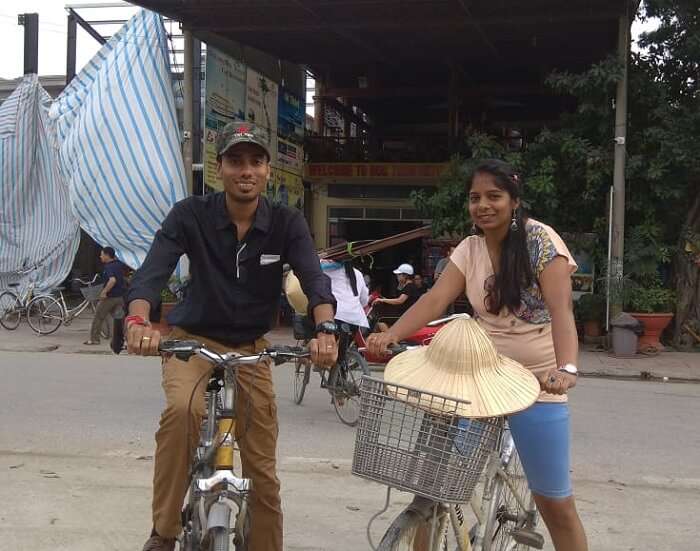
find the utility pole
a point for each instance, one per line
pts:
(618, 221)
(187, 100)
(71, 47)
(30, 21)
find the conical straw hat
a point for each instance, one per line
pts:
(461, 362)
(295, 294)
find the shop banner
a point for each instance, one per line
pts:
(286, 188)
(291, 116)
(290, 156)
(225, 101)
(371, 171)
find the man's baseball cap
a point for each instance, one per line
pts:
(406, 269)
(242, 132)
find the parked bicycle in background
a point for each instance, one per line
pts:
(47, 313)
(13, 305)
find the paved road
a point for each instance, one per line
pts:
(76, 436)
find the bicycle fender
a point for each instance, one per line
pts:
(219, 516)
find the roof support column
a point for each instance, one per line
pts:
(187, 106)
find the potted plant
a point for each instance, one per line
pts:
(590, 309)
(652, 305)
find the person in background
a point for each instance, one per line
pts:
(376, 293)
(351, 296)
(112, 295)
(419, 282)
(442, 264)
(407, 297)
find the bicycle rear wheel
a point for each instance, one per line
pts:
(302, 372)
(510, 526)
(344, 386)
(10, 310)
(44, 314)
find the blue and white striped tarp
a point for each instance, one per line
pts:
(37, 227)
(119, 144)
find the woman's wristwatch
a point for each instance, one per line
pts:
(571, 369)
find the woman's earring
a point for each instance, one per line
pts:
(473, 229)
(514, 222)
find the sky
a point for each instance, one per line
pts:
(53, 33)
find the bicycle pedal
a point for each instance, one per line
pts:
(528, 537)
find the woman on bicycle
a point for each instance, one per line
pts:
(516, 272)
(351, 295)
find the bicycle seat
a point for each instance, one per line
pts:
(59, 289)
(13, 284)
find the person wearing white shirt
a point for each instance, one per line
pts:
(350, 292)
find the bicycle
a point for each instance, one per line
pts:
(403, 443)
(215, 493)
(14, 306)
(343, 379)
(50, 312)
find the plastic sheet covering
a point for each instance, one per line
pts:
(37, 226)
(117, 129)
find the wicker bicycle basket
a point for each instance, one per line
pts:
(92, 292)
(409, 440)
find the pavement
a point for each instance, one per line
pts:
(669, 365)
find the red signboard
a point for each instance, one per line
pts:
(371, 171)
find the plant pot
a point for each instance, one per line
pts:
(654, 324)
(162, 324)
(592, 328)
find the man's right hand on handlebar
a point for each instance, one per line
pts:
(378, 343)
(141, 338)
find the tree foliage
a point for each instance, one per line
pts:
(568, 170)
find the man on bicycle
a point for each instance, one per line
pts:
(237, 243)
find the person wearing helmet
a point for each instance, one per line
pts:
(394, 307)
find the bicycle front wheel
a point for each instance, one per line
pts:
(302, 372)
(513, 515)
(344, 385)
(10, 310)
(409, 532)
(44, 314)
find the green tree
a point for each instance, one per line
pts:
(568, 170)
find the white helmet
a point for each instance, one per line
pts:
(405, 269)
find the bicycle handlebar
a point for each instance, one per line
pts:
(87, 282)
(184, 350)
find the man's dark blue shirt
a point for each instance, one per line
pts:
(114, 269)
(235, 285)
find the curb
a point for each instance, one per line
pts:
(645, 376)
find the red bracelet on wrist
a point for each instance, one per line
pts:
(138, 320)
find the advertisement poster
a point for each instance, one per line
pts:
(225, 101)
(261, 106)
(291, 117)
(286, 188)
(290, 155)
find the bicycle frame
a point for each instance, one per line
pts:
(215, 492)
(482, 507)
(69, 314)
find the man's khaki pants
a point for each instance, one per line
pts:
(256, 433)
(105, 307)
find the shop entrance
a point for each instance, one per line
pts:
(382, 264)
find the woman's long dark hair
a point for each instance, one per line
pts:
(350, 274)
(515, 271)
